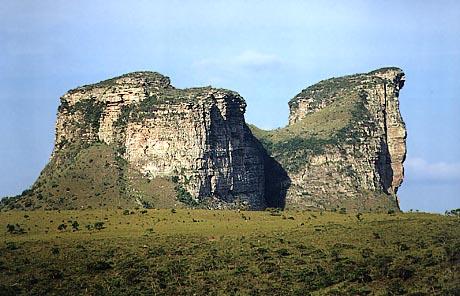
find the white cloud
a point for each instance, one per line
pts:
(249, 60)
(419, 169)
(257, 60)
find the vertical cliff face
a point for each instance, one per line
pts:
(203, 141)
(196, 138)
(344, 145)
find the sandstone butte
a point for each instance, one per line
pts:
(135, 140)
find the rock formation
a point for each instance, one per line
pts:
(137, 140)
(344, 145)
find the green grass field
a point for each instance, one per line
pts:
(199, 252)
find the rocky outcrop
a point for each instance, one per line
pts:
(137, 140)
(345, 143)
(196, 137)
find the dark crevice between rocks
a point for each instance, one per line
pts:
(277, 181)
(383, 165)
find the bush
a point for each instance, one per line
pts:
(99, 225)
(454, 213)
(10, 228)
(11, 246)
(147, 204)
(75, 225)
(283, 252)
(98, 266)
(367, 252)
(55, 251)
(62, 227)
(184, 196)
(403, 272)
(26, 192)
(55, 274)
(15, 229)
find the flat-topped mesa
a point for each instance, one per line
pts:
(195, 136)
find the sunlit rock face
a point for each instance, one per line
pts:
(197, 135)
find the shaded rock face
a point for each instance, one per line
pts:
(363, 168)
(198, 136)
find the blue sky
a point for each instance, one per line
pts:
(266, 50)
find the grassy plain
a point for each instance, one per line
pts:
(199, 252)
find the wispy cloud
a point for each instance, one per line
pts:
(257, 60)
(247, 60)
(420, 169)
(248, 64)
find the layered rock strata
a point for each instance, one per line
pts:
(197, 137)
